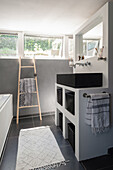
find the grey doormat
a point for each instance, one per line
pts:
(38, 150)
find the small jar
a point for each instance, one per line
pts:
(83, 57)
(79, 58)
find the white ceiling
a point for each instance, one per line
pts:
(46, 16)
(96, 32)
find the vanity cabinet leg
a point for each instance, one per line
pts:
(56, 117)
(65, 127)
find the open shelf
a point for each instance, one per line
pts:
(70, 101)
(59, 96)
(71, 135)
(61, 121)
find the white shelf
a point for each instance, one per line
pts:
(85, 142)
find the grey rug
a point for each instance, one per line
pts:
(38, 150)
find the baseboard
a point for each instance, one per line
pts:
(35, 115)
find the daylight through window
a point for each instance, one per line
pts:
(43, 46)
(8, 45)
(70, 46)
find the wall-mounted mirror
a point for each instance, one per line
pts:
(93, 41)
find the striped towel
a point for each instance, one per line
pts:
(97, 115)
(27, 85)
(29, 88)
(22, 96)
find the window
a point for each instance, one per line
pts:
(89, 47)
(43, 47)
(92, 41)
(8, 45)
(70, 46)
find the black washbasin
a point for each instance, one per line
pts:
(80, 80)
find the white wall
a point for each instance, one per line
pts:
(96, 66)
(90, 145)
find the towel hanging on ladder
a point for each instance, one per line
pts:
(97, 115)
(27, 86)
(24, 92)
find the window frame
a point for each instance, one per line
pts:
(70, 37)
(49, 36)
(20, 46)
(88, 50)
(17, 52)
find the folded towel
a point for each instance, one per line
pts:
(97, 115)
(27, 85)
(22, 96)
(28, 99)
(21, 85)
(22, 100)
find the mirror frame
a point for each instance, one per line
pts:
(100, 16)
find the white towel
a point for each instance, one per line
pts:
(97, 115)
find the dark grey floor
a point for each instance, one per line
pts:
(9, 159)
(104, 162)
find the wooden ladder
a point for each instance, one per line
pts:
(18, 97)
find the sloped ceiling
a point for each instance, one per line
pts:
(46, 16)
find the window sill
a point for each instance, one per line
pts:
(38, 58)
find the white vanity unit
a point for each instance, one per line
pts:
(87, 144)
(6, 115)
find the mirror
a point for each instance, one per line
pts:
(93, 41)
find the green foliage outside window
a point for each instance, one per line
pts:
(32, 45)
(8, 44)
(41, 46)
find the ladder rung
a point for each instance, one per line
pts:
(30, 77)
(25, 92)
(27, 66)
(21, 107)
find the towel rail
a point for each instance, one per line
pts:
(88, 95)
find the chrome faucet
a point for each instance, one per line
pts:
(82, 64)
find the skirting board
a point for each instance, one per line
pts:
(36, 114)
